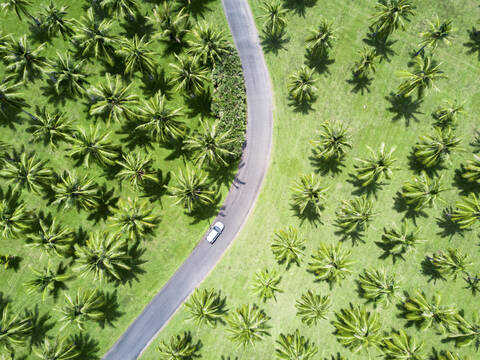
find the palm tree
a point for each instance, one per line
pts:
(136, 168)
(431, 150)
(174, 27)
(366, 64)
(27, 172)
(208, 44)
(422, 191)
(20, 7)
(465, 332)
(452, 262)
(358, 329)
(14, 330)
(448, 355)
(418, 309)
(330, 263)
(467, 212)
(92, 145)
(180, 347)
(121, 8)
(205, 306)
(312, 308)
(332, 142)
(23, 61)
(53, 20)
(137, 56)
(51, 237)
(85, 306)
(378, 286)
(133, 217)
(160, 120)
(93, 36)
(9, 98)
(112, 99)
(438, 32)
(69, 76)
(319, 41)
(391, 15)
(354, 215)
(398, 240)
(14, 217)
(308, 193)
(425, 72)
(73, 190)
(301, 86)
(104, 255)
(287, 246)
(400, 346)
(295, 346)
(192, 189)
(265, 284)
(48, 280)
(471, 170)
(189, 74)
(8, 261)
(274, 15)
(208, 145)
(50, 127)
(446, 115)
(56, 349)
(247, 325)
(376, 168)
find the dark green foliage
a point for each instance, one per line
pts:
(312, 308)
(400, 346)
(330, 263)
(229, 100)
(451, 262)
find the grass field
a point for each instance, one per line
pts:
(372, 119)
(177, 233)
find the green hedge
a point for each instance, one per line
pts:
(229, 99)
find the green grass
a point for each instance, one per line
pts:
(177, 233)
(371, 123)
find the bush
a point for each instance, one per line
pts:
(229, 99)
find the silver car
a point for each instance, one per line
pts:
(215, 232)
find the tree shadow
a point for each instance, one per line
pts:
(48, 91)
(299, 7)
(303, 107)
(465, 187)
(336, 356)
(401, 206)
(40, 326)
(128, 276)
(383, 47)
(327, 166)
(368, 190)
(199, 104)
(361, 84)
(80, 236)
(13, 262)
(356, 237)
(196, 9)
(417, 167)
(39, 34)
(133, 137)
(117, 67)
(155, 191)
(86, 346)
(223, 175)
(107, 200)
(475, 143)
(448, 227)
(205, 211)
(158, 81)
(137, 25)
(273, 42)
(110, 309)
(429, 270)
(318, 63)
(387, 252)
(309, 214)
(11, 117)
(4, 300)
(404, 108)
(473, 44)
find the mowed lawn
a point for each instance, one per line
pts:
(372, 120)
(177, 233)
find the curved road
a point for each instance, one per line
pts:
(240, 199)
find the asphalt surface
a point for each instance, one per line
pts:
(239, 201)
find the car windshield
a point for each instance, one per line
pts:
(216, 228)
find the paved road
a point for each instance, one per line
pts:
(240, 199)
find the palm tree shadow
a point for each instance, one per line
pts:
(309, 214)
(361, 84)
(417, 167)
(49, 92)
(107, 200)
(318, 63)
(86, 346)
(299, 7)
(474, 44)
(40, 326)
(401, 206)
(155, 191)
(429, 270)
(449, 228)
(303, 107)
(464, 186)
(134, 137)
(387, 252)
(139, 25)
(197, 9)
(205, 212)
(11, 117)
(128, 276)
(223, 175)
(273, 42)
(404, 108)
(355, 237)
(199, 104)
(368, 190)
(158, 81)
(324, 167)
(39, 34)
(110, 309)
(382, 47)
